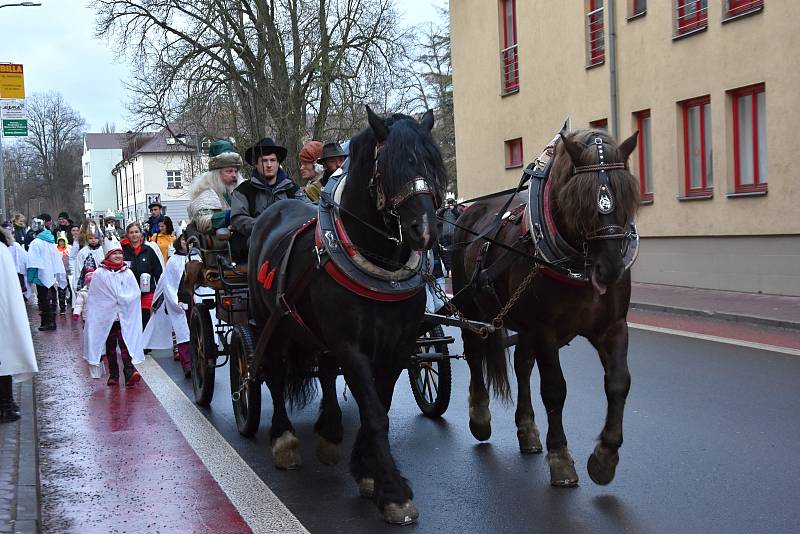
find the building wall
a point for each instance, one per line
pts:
(655, 72)
(100, 178)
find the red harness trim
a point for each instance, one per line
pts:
(558, 277)
(348, 283)
(265, 276)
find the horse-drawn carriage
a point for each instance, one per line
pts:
(307, 311)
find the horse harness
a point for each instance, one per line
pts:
(340, 258)
(553, 256)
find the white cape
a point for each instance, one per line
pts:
(113, 294)
(47, 259)
(17, 357)
(170, 316)
(20, 257)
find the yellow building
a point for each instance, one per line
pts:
(712, 85)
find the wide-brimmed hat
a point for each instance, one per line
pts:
(265, 146)
(332, 150)
(223, 154)
(155, 204)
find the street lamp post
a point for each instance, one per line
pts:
(2, 161)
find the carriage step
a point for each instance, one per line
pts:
(427, 341)
(435, 357)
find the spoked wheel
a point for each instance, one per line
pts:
(204, 354)
(245, 388)
(431, 380)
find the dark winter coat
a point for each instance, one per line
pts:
(19, 234)
(145, 262)
(449, 216)
(253, 196)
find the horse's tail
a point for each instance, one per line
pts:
(495, 365)
(300, 386)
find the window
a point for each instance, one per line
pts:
(205, 144)
(137, 182)
(750, 139)
(690, 15)
(87, 194)
(740, 7)
(174, 180)
(644, 148)
(87, 170)
(514, 153)
(697, 146)
(595, 36)
(509, 55)
(636, 8)
(599, 124)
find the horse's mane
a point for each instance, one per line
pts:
(407, 138)
(576, 196)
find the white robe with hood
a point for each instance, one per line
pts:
(48, 260)
(113, 295)
(170, 316)
(17, 357)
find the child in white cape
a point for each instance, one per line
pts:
(114, 317)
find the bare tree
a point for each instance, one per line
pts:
(49, 159)
(252, 68)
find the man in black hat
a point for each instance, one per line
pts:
(333, 157)
(268, 183)
(155, 217)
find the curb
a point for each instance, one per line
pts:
(739, 318)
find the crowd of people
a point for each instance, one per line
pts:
(123, 288)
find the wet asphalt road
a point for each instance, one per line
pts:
(711, 435)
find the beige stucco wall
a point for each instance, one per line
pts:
(654, 72)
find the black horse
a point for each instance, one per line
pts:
(592, 213)
(388, 210)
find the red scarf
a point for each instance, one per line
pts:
(111, 266)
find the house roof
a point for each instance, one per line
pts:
(105, 140)
(160, 143)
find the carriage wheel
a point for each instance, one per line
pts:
(204, 354)
(431, 380)
(246, 399)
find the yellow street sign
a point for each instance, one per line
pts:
(12, 82)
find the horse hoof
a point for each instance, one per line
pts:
(602, 466)
(328, 453)
(528, 437)
(562, 469)
(366, 488)
(480, 420)
(400, 514)
(286, 451)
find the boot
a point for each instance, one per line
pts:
(132, 376)
(7, 413)
(113, 369)
(48, 322)
(8, 408)
(186, 358)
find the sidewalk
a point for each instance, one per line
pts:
(750, 308)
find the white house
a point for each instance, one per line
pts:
(154, 167)
(101, 152)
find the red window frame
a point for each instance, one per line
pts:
(636, 7)
(704, 188)
(737, 7)
(510, 53)
(596, 50)
(642, 146)
(514, 154)
(759, 182)
(685, 22)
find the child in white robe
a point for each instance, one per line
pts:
(114, 317)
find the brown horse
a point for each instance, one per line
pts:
(590, 201)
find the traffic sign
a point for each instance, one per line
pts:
(12, 81)
(14, 117)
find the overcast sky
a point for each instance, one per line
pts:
(56, 45)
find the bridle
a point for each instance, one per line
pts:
(606, 202)
(388, 206)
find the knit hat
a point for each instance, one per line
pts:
(223, 154)
(63, 215)
(111, 244)
(310, 152)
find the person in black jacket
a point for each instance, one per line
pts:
(142, 260)
(19, 228)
